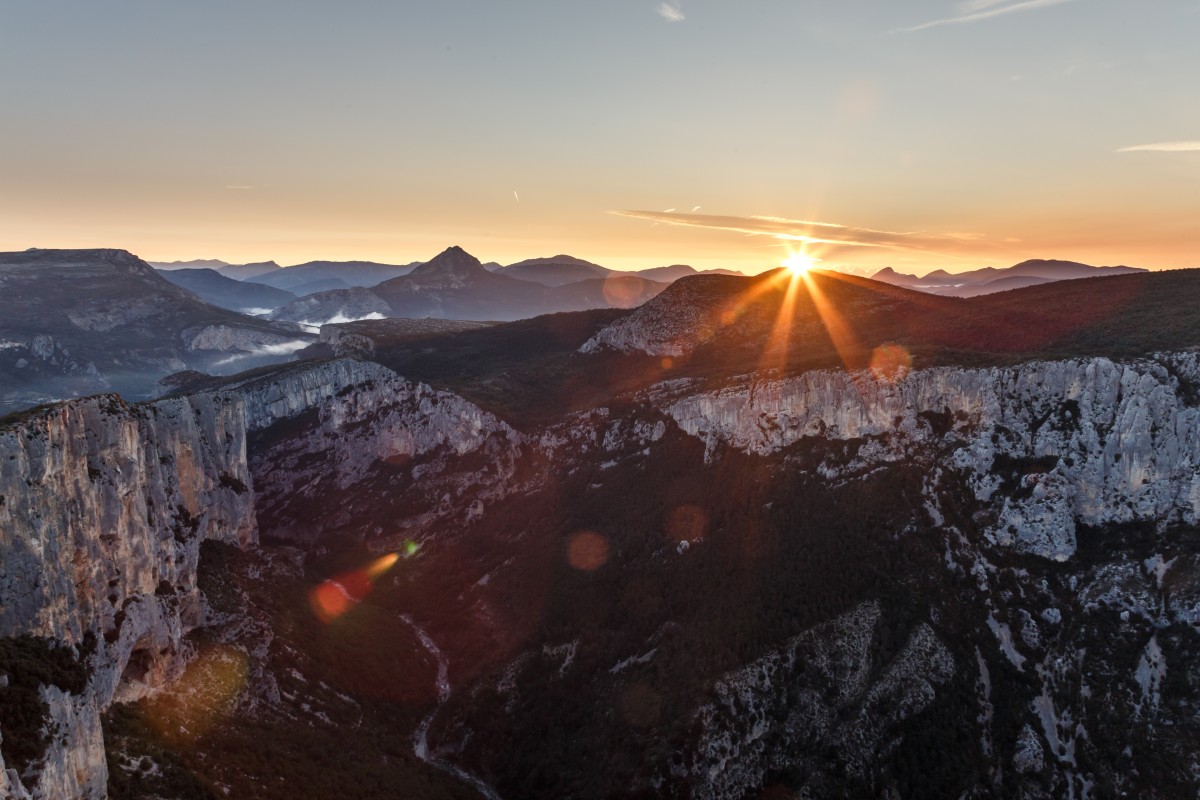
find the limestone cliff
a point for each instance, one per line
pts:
(103, 506)
(341, 428)
(1045, 445)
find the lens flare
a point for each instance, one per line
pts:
(623, 291)
(334, 597)
(686, 524)
(890, 362)
(587, 551)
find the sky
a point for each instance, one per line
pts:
(919, 135)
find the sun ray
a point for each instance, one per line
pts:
(775, 354)
(843, 338)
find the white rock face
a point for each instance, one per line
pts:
(1101, 442)
(103, 507)
(1028, 755)
(361, 413)
(743, 736)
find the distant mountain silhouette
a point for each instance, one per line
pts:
(196, 263)
(350, 273)
(320, 285)
(215, 288)
(455, 285)
(241, 272)
(992, 279)
(554, 271)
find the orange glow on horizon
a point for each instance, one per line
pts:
(799, 263)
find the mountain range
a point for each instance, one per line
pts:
(563, 269)
(988, 280)
(246, 297)
(816, 535)
(760, 536)
(455, 285)
(78, 322)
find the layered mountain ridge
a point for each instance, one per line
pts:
(937, 547)
(78, 322)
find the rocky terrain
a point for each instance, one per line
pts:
(77, 322)
(618, 554)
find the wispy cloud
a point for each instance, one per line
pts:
(976, 10)
(826, 233)
(670, 11)
(239, 187)
(1163, 147)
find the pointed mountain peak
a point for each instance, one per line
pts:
(451, 261)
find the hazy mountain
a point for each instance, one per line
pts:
(240, 272)
(999, 285)
(341, 305)
(215, 288)
(319, 285)
(455, 285)
(196, 263)
(82, 321)
(972, 282)
(563, 269)
(555, 270)
(350, 273)
(617, 290)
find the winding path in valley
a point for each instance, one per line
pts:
(421, 735)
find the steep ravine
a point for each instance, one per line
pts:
(103, 505)
(444, 690)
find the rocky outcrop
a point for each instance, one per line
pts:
(1045, 445)
(227, 338)
(344, 419)
(336, 305)
(820, 687)
(103, 507)
(685, 315)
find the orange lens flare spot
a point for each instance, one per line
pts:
(587, 551)
(330, 600)
(687, 524)
(382, 565)
(623, 291)
(891, 362)
(667, 363)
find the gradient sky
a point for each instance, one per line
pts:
(922, 134)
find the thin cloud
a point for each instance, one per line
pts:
(239, 188)
(976, 10)
(670, 11)
(1163, 147)
(825, 233)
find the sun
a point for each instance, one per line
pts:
(799, 263)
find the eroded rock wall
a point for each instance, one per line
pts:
(1046, 444)
(103, 507)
